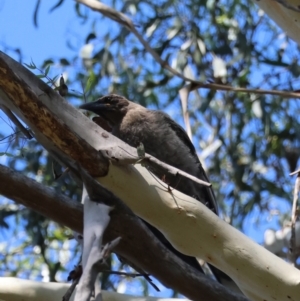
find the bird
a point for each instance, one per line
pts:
(167, 141)
(161, 137)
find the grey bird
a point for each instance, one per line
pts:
(164, 139)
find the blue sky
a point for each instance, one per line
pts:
(48, 40)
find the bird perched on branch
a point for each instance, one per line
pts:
(162, 138)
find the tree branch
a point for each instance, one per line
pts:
(280, 11)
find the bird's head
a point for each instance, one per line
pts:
(112, 108)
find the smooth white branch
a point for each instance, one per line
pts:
(286, 13)
(95, 220)
(194, 230)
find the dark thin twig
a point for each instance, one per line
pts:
(69, 292)
(133, 275)
(16, 121)
(146, 276)
(149, 160)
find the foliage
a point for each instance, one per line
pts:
(227, 42)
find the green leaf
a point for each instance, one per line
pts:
(90, 82)
(47, 70)
(31, 65)
(47, 62)
(64, 62)
(6, 154)
(90, 37)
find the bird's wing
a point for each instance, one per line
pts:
(181, 133)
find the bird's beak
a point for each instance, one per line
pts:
(96, 106)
